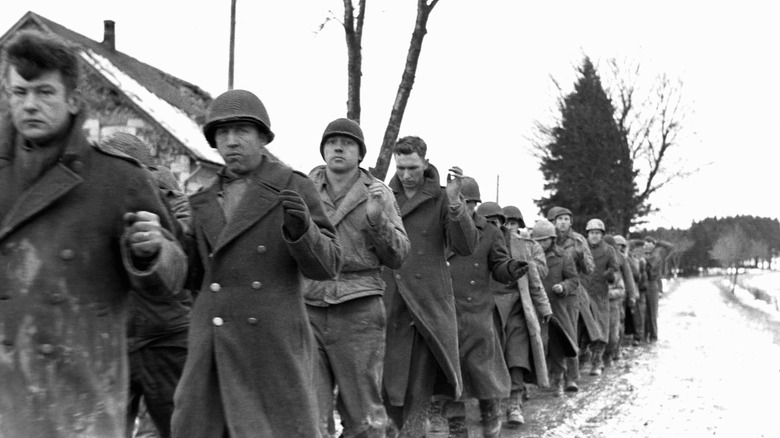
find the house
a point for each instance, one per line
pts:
(125, 94)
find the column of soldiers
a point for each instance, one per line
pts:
(271, 300)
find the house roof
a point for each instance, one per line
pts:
(174, 104)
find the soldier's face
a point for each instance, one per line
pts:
(471, 206)
(563, 223)
(342, 153)
(546, 243)
(595, 236)
(512, 225)
(241, 145)
(41, 108)
(410, 169)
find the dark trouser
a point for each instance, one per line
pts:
(426, 378)
(651, 321)
(350, 351)
(613, 339)
(639, 314)
(154, 374)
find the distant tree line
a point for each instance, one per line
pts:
(729, 242)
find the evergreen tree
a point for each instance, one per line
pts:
(588, 166)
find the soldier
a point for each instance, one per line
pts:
(422, 340)
(622, 292)
(630, 270)
(347, 313)
(156, 329)
(596, 283)
(657, 251)
(259, 228)
(80, 227)
(520, 306)
(485, 375)
(576, 245)
(561, 284)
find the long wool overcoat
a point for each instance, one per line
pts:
(249, 370)
(576, 245)
(566, 306)
(482, 364)
(605, 259)
(519, 310)
(423, 285)
(65, 275)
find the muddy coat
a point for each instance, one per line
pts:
(423, 284)
(250, 364)
(595, 283)
(563, 271)
(485, 375)
(65, 275)
(519, 311)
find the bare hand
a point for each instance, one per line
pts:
(546, 318)
(144, 233)
(558, 289)
(454, 184)
(375, 204)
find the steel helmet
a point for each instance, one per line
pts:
(236, 106)
(595, 224)
(554, 212)
(512, 212)
(488, 209)
(543, 229)
(348, 128)
(470, 189)
(620, 240)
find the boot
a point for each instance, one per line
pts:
(571, 385)
(514, 410)
(437, 424)
(458, 427)
(491, 419)
(596, 364)
(556, 383)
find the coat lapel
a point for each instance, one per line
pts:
(208, 212)
(357, 195)
(52, 185)
(262, 195)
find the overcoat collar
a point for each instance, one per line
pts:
(261, 196)
(356, 195)
(54, 183)
(480, 223)
(430, 190)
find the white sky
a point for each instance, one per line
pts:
(482, 81)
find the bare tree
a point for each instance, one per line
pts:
(651, 120)
(353, 31)
(424, 8)
(731, 250)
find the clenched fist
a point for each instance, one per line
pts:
(296, 214)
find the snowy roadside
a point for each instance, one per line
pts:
(759, 291)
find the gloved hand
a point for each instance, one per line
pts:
(609, 275)
(296, 216)
(517, 268)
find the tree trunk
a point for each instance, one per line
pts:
(353, 31)
(404, 89)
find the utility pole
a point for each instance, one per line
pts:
(498, 176)
(232, 43)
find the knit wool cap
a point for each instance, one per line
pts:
(346, 127)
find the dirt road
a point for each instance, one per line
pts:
(715, 372)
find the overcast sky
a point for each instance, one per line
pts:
(482, 81)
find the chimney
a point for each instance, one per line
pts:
(109, 38)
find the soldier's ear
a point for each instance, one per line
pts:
(425, 164)
(74, 101)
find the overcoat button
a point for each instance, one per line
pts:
(46, 349)
(217, 321)
(261, 249)
(421, 252)
(398, 276)
(77, 166)
(424, 232)
(468, 299)
(215, 287)
(256, 285)
(5, 297)
(67, 254)
(418, 276)
(472, 282)
(476, 265)
(252, 320)
(448, 263)
(211, 255)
